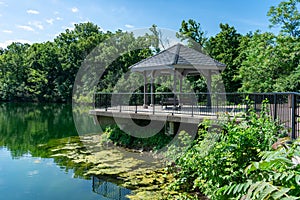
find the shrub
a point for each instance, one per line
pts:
(119, 137)
(221, 153)
(275, 176)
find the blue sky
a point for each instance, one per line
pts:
(42, 20)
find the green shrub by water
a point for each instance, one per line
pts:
(119, 137)
(222, 152)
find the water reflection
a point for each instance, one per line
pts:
(25, 125)
(109, 190)
(34, 129)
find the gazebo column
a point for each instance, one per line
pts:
(145, 90)
(152, 88)
(174, 88)
(180, 90)
(208, 82)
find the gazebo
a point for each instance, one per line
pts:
(177, 61)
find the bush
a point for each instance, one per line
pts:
(275, 176)
(221, 153)
(119, 137)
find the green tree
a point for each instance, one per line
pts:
(44, 72)
(13, 69)
(258, 72)
(73, 47)
(286, 15)
(191, 31)
(290, 62)
(268, 63)
(121, 51)
(224, 47)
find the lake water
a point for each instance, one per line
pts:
(27, 172)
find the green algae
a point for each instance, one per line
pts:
(138, 171)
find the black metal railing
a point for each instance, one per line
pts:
(283, 107)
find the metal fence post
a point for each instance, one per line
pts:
(135, 99)
(174, 103)
(275, 107)
(293, 116)
(192, 110)
(106, 105)
(94, 100)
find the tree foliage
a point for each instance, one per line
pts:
(224, 47)
(269, 63)
(286, 15)
(46, 71)
(256, 62)
(192, 32)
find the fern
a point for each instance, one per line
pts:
(275, 176)
(260, 190)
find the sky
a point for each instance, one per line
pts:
(34, 21)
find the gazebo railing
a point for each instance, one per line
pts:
(283, 107)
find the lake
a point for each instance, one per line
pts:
(27, 169)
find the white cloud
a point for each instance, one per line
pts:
(37, 24)
(26, 28)
(8, 42)
(129, 26)
(56, 35)
(59, 18)
(3, 3)
(33, 12)
(7, 31)
(74, 10)
(50, 21)
(32, 173)
(71, 27)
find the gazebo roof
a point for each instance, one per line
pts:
(178, 57)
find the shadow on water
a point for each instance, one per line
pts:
(36, 129)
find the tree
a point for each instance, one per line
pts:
(192, 32)
(13, 69)
(73, 47)
(287, 16)
(257, 73)
(269, 64)
(224, 47)
(121, 51)
(44, 72)
(290, 61)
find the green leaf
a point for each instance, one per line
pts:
(267, 191)
(276, 176)
(260, 187)
(297, 179)
(280, 193)
(247, 185)
(290, 198)
(290, 177)
(238, 188)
